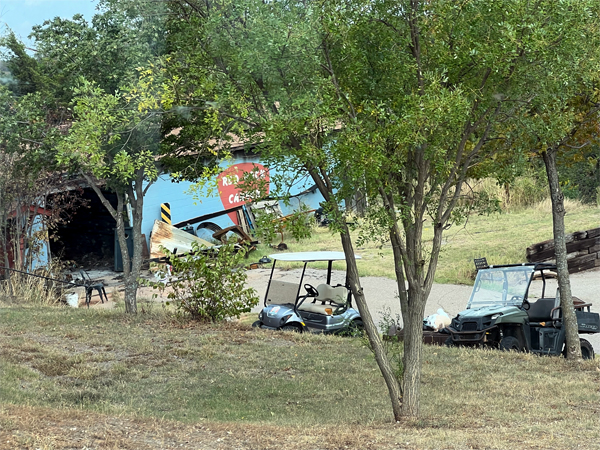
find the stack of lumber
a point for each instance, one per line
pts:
(583, 250)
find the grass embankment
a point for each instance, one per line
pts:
(98, 379)
(501, 238)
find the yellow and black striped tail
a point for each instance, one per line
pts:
(165, 212)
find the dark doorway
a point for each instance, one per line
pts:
(88, 238)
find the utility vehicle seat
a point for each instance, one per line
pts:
(329, 298)
(541, 310)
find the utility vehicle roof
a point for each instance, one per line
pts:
(535, 265)
(310, 256)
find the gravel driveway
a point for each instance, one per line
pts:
(381, 292)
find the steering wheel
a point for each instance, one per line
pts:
(310, 289)
(525, 305)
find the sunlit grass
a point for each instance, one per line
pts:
(501, 238)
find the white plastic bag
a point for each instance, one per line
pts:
(439, 320)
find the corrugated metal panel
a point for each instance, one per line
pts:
(172, 238)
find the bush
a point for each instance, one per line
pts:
(209, 284)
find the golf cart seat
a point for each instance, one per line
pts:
(329, 298)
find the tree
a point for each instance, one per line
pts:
(403, 100)
(581, 113)
(114, 140)
(109, 143)
(255, 68)
(24, 71)
(27, 179)
(110, 72)
(107, 146)
(437, 87)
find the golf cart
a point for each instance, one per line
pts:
(324, 309)
(499, 314)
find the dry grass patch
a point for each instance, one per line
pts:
(25, 289)
(146, 382)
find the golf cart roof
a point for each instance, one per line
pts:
(310, 256)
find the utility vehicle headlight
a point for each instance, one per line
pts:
(260, 315)
(495, 316)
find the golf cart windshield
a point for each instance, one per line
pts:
(284, 292)
(501, 286)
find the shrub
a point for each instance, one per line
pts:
(209, 284)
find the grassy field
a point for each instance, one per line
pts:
(501, 238)
(98, 379)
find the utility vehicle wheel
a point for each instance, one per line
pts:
(292, 328)
(256, 324)
(587, 351)
(510, 343)
(449, 342)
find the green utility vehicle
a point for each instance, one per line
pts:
(499, 314)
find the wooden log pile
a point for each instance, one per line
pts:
(583, 250)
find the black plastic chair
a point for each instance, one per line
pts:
(90, 285)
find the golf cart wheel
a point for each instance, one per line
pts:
(587, 351)
(354, 328)
(449, 342)
(292, 328)
(510, 343)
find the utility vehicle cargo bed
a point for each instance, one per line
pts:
(588, 322)
(429, 337)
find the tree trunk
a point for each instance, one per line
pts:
(381, 358)
(136, 200)
(569, 319)
(130, 281)
(394, 388)
(413, 353)
(132, 264)
(7, 274)
(412, 303)
(18, 257)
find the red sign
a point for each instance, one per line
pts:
(233, 193)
